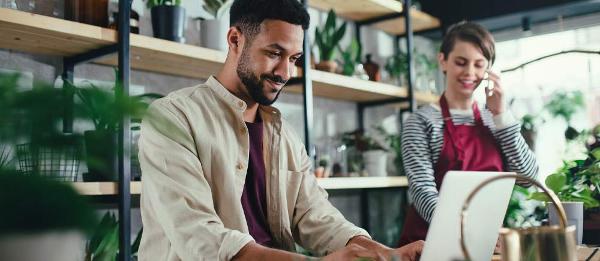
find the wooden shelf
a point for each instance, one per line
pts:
(37, 34)
(111, 188)
(104, 188)
(363, 182)
(341, 87)
(359, 10)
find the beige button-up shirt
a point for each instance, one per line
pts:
(194, 150)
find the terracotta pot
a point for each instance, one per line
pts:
(327, 66)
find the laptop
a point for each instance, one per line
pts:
(485, 215)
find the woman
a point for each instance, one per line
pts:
(456, 133)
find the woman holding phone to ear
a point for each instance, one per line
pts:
(457, 133)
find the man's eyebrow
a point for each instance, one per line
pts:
(276, 46)
(280, 48)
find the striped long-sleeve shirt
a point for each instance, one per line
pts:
(422, 140)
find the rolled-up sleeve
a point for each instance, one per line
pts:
(318, 226)
(176, 191)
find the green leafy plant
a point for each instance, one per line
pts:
(329, 37)
(397, 65)
(395, 144)
(153, 3)
(104, 243)
(34, 204)
(350, 57)
(105, 109)
(217, 7)
(576, 181)
(523, 213)
(564, 105)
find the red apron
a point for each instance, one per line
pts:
(465, 147)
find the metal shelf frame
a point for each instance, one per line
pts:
(123, 133)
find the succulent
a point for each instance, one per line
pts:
(153, 3)
(350, 57)
(329, 37)
(217, 7)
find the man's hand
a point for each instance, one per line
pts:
(410, 252)
(353, 252)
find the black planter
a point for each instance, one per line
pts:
(101, 158)
(168, 22)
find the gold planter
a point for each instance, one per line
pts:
(531, 244)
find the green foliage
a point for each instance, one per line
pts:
(397, 65)
(33, 204)
(564, 104)
(153, 3)
(528, 122)
(329, 37)
(360, 141)
(217, 7)
(522, 213)
(104, 243)
(576, 181)
(106, 109)
(395, 144)
(350, 57)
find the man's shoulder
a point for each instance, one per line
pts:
(184, 96)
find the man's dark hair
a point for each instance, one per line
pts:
(247, 15)
(472, 33)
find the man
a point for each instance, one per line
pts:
(224, 176)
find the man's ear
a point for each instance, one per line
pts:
(235, 40)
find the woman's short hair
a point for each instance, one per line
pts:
(472, 33)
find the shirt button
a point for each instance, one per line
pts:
(240, 166)
(241, 104)
(243, 130)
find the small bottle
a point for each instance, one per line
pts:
(372, 69)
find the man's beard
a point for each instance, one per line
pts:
(255, 85)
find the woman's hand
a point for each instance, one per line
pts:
(494, 95)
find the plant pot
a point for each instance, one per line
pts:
(89, 12)
(59, 161)
(375, 163)
(64, 246)
(327, 66)
(101, 158)
(574, 212)
(168, 22)
(213, 33)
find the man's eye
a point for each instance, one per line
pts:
(273, 54)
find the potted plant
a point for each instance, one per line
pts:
(327, 40)
(351, 64)
(105, 110)
(576, 184)
(396, 66)
(395, 144)
(371, 153)
(213, 30)
(168, 19)
(564, 105)
(43, 219)
(30, 120)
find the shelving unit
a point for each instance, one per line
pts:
(110, 188)
(376, 11)
(51, 36)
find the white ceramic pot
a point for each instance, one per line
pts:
(47, 246)
(213, 33)
(574, 212)
(375, 163)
